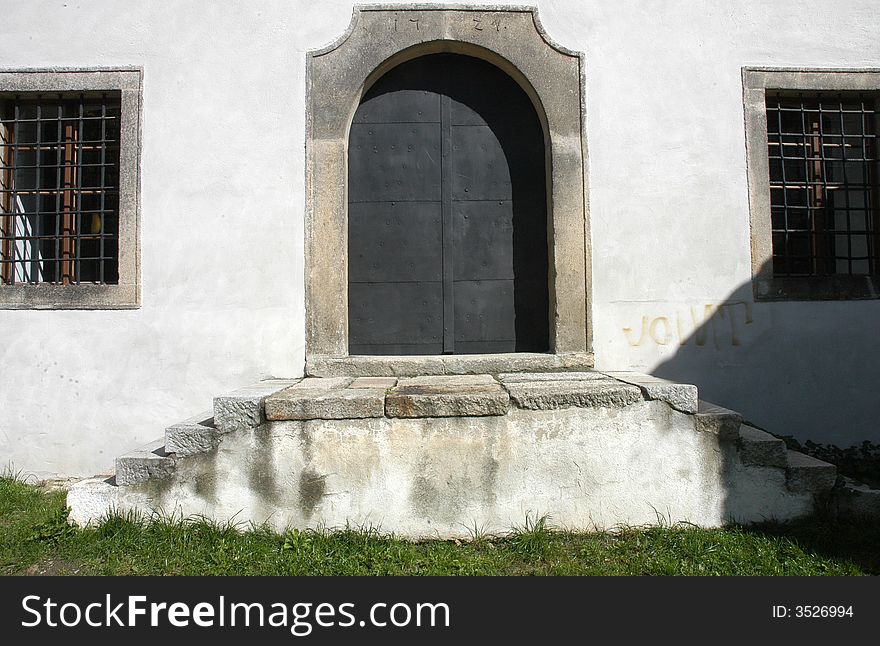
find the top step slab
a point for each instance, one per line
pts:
(451, 364)
(447, 396)
(469, 395)
(558, 392)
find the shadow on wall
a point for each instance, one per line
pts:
(810, 369)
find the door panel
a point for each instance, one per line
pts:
(396, 313)
(479, 168)
(447, 213)
(485, 312)
(478, 226)
(395, 241)
(394, 162)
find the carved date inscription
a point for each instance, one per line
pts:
(480, 24)
(407, 23)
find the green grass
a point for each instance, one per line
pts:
(36, 539)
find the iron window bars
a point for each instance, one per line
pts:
(823, 183)
(59, 188)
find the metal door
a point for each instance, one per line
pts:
(447, 244)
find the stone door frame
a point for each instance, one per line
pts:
(381, 37)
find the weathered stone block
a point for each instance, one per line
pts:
(243, 408)
(449, 400)
(806, 473)
(90, 501)
(528, 377)
(326, 403)
(374, 382)
(682, 397)
(720, 421)
(150, 462)
(322, 383)
(194, 435)
(448, 380)
(549, 395)
(450, 364)
(859, 500)
(759, 448)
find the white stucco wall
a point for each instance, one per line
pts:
(669, 209)
(222, 214)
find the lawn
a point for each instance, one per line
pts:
(36, 539)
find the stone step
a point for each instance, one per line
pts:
(451, 364)
(723, 422)
(365, 397)
(194, 435)
(682, 397)
(325, 398)
(759, 448)
(244, 408)
(564, 393)
(808, 474)
(447, 396)
(528, 377)
(858, 500)
(149, 462)
(349, 397)
(469, 395)
(374, 382)
(430, 439)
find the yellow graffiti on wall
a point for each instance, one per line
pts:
(721, 323)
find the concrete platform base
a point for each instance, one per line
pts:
(451, 456)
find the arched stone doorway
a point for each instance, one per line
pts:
(338, 77)
(447, 226)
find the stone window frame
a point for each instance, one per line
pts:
(380, 37)
(756, 82)
(126, 293)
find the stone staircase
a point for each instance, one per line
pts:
(448, 455)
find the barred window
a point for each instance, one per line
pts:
(823, 183)
(59, 188)
(69, 189)
(814, 182)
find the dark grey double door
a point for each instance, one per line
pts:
(447, 213)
